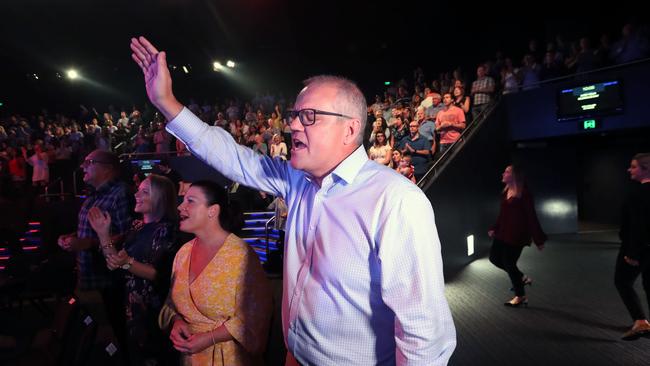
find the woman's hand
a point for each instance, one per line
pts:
(180, 332)
(630, 261)
(186, 342)
(195, 343)
(100, 221)
(117, 260)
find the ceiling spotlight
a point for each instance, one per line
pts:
(72, 74)
(185, 69)
(217, 66)
(230, 64)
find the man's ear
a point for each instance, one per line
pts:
(352, 130)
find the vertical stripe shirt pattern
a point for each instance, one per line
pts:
(363, 279)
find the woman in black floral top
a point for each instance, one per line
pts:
(146, 259)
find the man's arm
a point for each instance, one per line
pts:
(412, 282)
(211, 144)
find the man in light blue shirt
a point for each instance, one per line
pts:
(363, 279)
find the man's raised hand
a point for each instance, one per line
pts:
(157, 78)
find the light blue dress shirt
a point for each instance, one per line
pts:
(363, 281)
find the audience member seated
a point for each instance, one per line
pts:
(380, 151)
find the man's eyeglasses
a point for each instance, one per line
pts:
(307, 116)
(92, 161)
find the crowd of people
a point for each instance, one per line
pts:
(45, 147)
(209, 298)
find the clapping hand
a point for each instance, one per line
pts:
(116, 261)
(65, 241)
(100, 221)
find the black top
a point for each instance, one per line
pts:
(153, 244)
(635, 221)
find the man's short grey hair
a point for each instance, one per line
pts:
(349, 99)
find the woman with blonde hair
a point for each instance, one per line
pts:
(278, 147)
(145, 261)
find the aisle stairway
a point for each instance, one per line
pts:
(30, 242)
(254, 233)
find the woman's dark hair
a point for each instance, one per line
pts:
(230, 216)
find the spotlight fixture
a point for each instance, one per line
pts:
(72, 74)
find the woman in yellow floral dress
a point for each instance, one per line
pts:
(219, 307)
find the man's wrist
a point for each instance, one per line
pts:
(170, 107)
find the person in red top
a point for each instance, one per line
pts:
(516, 225)
(16, 168)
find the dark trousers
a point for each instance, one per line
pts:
(477, 109)
(505, 256)
(624, 278)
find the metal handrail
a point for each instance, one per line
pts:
(438, 164)
(463, 138)
(266, 234)
(152, 154)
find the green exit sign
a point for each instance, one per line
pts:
(590, 124)
(386, 83)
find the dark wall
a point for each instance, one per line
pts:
(604, 181)
(532, 113)
(551, 176)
